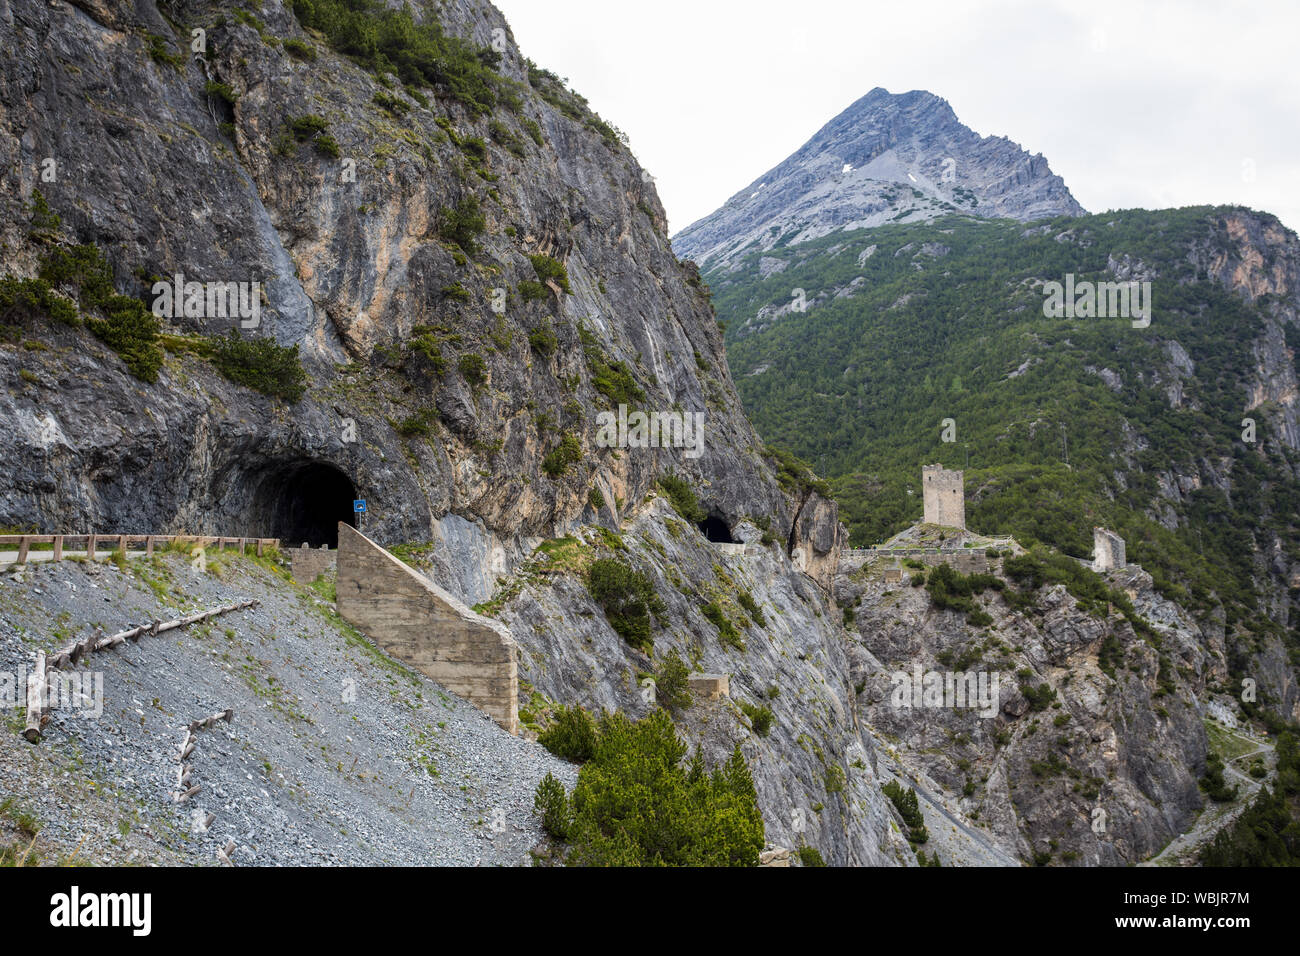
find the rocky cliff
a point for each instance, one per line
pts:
(887, 158)
(469, 279)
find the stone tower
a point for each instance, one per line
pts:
(945, 497)
(1107, 551)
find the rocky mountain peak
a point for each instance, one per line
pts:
(887, 158)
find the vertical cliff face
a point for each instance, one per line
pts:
(199, 164)
(454, 365)
(887, 158)
(1091, 748)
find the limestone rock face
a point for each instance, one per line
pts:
(168, 179)
(1035, 773)
(888, 157)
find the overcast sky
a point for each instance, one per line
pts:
(1150, 104)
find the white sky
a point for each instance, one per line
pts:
(1150, 104)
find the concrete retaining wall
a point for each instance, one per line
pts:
(307, 564)
(415, 621)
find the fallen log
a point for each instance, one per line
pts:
(73, 654)
(35, 699)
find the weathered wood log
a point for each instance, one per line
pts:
(210, 819)
(58, 547)
(224, 853)
(182, 797)
(23, 544)
(35, 699)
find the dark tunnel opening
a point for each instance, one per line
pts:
(304, 502)
(716, 530)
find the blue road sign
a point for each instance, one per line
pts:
(359, 506)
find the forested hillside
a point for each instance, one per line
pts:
(1061, 424)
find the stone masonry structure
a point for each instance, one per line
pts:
(307, 564)
(414, 620)
(945, 497)
(1107, 551)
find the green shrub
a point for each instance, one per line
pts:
(794, 474)
(475, 148)
(472, 368)
(751, 608)
(531, 291)
(221, 91)
(560, 458)
(682, 497)
(672, 683)
(551, 803)
(553, 269)
(1110, 655)
(1215, 787)
(261, 364)
(596, 498)
(1039, 697)
(25, 300)
(636, 804)
(613, 379)
(393, 104)
(427, 344)
(391, 41)
(628, 599)
(727, 632)
(123, 323)
(305, 127)
(543, 340)
(906, 803)
(44, 224)
(760, 718)
(571, 735)
(810, 856)
(508, 140)
(419, 425)
(131, 331)
(300, 49)
(312, 128)
(159, 53)
(463, 224)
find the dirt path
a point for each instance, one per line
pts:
(1183, 849)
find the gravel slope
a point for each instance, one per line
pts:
(336, 754)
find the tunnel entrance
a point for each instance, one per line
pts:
(304, 502)
(716, 530)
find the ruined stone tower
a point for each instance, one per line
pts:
(945, 497)
(1107, 551)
